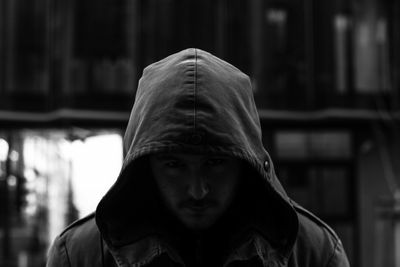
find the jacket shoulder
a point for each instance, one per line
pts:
(317, 243)
(86, 222)
(81, 234)
(308, 217)
(80, 244)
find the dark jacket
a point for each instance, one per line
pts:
(195, 102)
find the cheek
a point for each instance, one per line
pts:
(225, 185)
(170, 189)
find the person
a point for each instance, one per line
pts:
(197, 187)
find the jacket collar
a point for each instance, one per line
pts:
(144, 251)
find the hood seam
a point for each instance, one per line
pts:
(195, 90)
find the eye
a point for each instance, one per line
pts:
(215, 161)
(173, 164)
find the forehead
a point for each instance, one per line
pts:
(190, 157)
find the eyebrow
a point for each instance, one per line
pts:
(166, 157)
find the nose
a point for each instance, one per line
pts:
(198, 188)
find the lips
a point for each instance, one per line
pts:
(198, 209)
(198, 206)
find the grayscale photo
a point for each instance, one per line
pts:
(199, 133)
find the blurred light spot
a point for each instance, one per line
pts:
(29, 175)
(31, 199)
(31, 210)
(277, 16)
(12, 181)
(342, 22)
(14, 155)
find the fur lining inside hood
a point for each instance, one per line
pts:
(195, 102)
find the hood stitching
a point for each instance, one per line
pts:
(195, 90)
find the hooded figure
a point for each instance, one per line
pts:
(197, 187)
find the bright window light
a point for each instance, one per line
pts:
(3, 149)
(96, 163)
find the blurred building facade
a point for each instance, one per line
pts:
(325, 76)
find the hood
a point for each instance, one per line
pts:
(194, 102)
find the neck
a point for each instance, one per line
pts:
(202, 248)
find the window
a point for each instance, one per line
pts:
(48, 178)
(316, 169)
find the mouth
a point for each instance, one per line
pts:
(198, 208)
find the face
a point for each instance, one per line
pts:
(196, 188)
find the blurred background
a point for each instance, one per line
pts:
(325, 75)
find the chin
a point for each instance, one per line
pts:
(198, 225)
